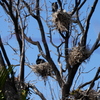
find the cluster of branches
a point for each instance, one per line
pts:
(15, 11)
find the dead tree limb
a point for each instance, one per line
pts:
(37, 91)
(84, 38)
(87, 83)
(93, 81)
(22, 55)
(8, 7)
(68, 84)
(6, 58)
(78, 6)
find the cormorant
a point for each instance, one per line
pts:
(54, 7)
(38, 61)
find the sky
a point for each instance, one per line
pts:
(6, 29)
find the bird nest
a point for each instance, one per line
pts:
(77, 55)
(43, 69)
(82, 95)
(61, 20)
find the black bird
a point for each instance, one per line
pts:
(38, 61)
(54, 7)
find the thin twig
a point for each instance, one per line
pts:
(95, 46)
(93, 81)
(29, 9)
(76, 6)
(87, 83)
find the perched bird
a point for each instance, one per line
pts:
(38, 61)
(54, 7)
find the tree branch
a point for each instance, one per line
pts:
(4, 52)
(93, 81)
(43, 37)
(52, 40)
(60, 4)
(84, 38)
(94, 47)
(67, 86)
(37, 91)
(29, 9)
(76, 6)
(37, 8)
(87, 83)
(35, 43)
(66, 50)
(79, 22)
(8, 8)
(81, 5)
(2, 64)
(6, 58)
(22, 55)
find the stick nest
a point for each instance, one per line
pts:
(77, 55)
(81, 95)
(44, 70)
(61, 20)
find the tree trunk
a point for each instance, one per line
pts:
(66, 87)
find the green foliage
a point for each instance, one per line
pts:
(1, 95)
(24, 94)
(4, 73)
(3, 76)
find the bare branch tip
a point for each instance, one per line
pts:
(99, 36)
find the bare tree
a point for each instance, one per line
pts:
(70, 26)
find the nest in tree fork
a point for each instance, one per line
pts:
(81, 95)
(43, 70)
(61, 20)
(77, 55)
